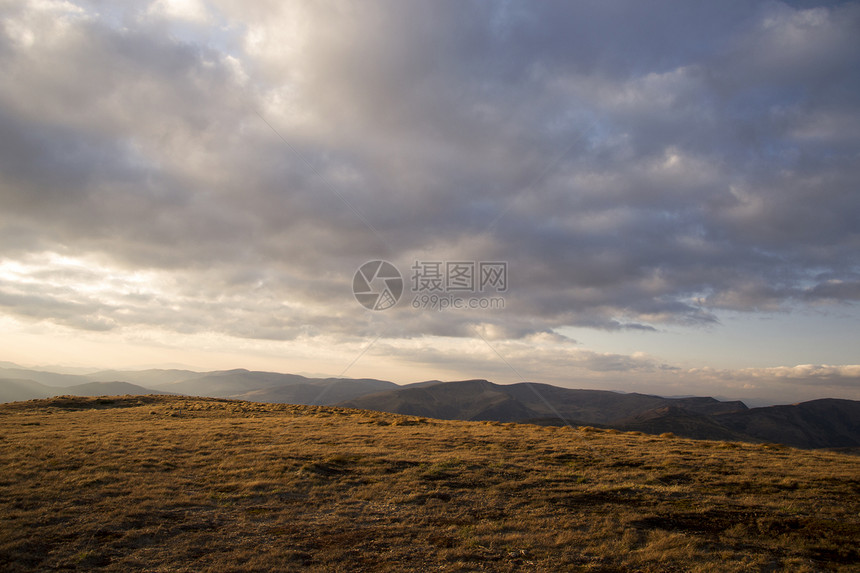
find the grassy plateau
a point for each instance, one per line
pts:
(167, 483)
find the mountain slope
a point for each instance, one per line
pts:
(683, 422)
(483, 400)
(172, 483)
(43, 377)
(20, 390)
(275, 387)
(237, 384)
(15, 390)
(151, 377)
(317, 391)
(815, 424)
(463, 400)
(225, 383)
(106, 389)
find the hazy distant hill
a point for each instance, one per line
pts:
(483, 400)
(151, 377)
(466, 400)
(275, 387)
(43, 377)
(225, 383)
(15, 390)
(25, 384)
(19, 390)
(317, 391)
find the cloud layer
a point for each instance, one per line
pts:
(215, 166)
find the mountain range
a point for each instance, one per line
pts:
(23, 384)
(824, 423)
(16, 390)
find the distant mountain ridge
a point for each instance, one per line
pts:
(16, 390)
(18, 384)
(825, 423)
(484, 400)
(259, 386)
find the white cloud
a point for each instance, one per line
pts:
(633, 176)
(187, 10)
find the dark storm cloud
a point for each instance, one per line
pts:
(636, 164)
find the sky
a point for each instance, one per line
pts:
(658, 197)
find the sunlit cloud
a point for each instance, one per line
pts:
(190, 168)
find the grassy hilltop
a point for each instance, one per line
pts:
(167, 483)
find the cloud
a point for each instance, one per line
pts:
(784, 384)
(183, 10)
(253, 156)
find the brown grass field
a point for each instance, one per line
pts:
(186, 484)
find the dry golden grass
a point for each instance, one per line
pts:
(177, 484)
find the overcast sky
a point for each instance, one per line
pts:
(674, 186)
